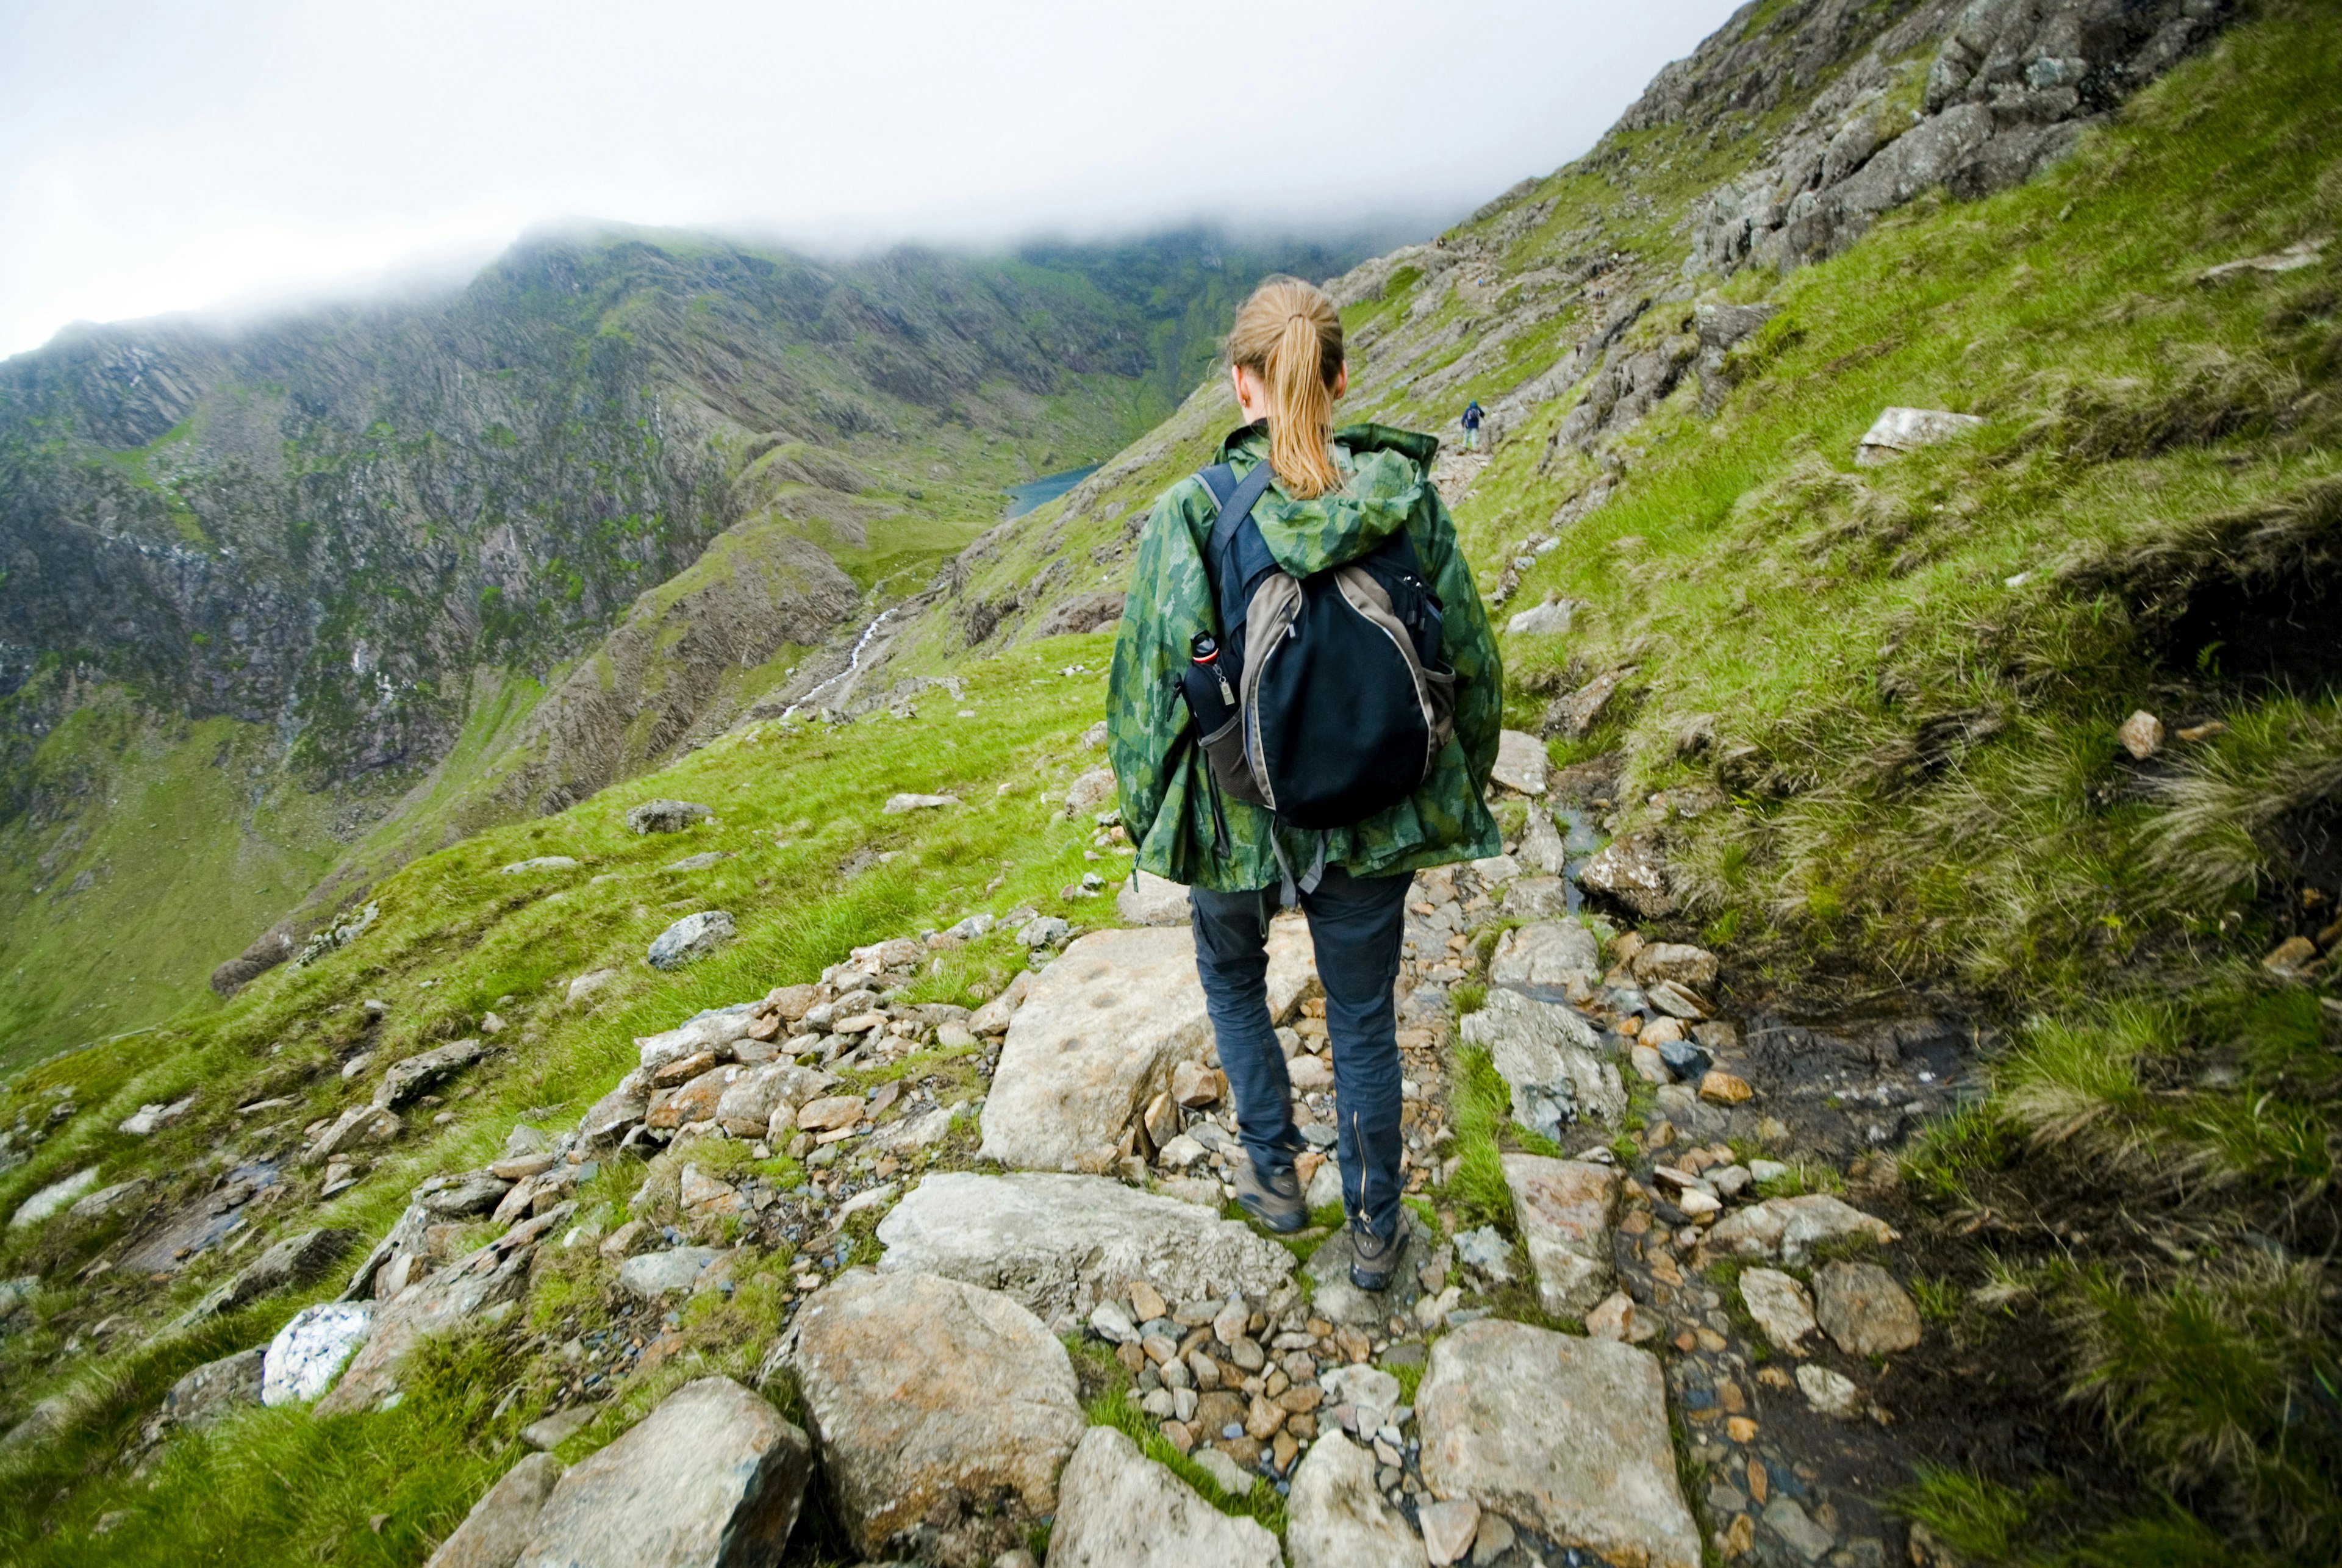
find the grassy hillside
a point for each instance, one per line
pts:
(369, 539)
(812, 866)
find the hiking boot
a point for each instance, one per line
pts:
(1375, 1263)
(1274, 1198)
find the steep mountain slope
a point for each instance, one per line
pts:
(365, 537)
(2049, 986)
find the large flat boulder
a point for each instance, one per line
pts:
(1564, 1435)
(1788, 1228)
(1549, 952)
(1116, 1508)
(497, 1528)
(1563, 1208)
(1096, 1039)
(942, 1413)
(1553, 1060)
(712, 1478)
(1061, 1245)
(1336, 1518)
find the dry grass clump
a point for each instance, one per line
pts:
(2245, 813)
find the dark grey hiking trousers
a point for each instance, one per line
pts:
(1357, 924)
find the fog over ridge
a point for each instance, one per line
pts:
(268, 151)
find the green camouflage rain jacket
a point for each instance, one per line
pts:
(1166, 805)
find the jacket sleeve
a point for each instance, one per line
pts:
(1146, 722)
(1468, 642)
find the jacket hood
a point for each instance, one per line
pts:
(1386, 470)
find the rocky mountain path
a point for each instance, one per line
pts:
(1630, 1328)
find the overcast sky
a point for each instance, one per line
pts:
(170, 154)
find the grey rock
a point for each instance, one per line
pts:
(1151, 900)
(943, 1414)
(1537, 898)
(607, 1123)
(706, 860)
(1900, 430)
(747, 1106)
(1548, 952)
(1780, 1306)
(1632, 871)
(149, 1119)
(1574, 716)
(473, 1192)
(216, 1388)
(538, 864)
(1562, 1209)
(1542, 620)
(1486, 1249)
(549, 1433)
(49, 1200)
(582, 989)
(897, 804)
(1830, 1392)
(296, 1260)
(1786, 1518)
(497, 1528)
(405, 1080)
(693, 936)
(665, 816)
(476, 1288)
(1861, 1307)
(1568, 1436)
(1543, 849)
(310, 1351)
(713, 1478)
(1335, 1517)
(1061, 1245)
(655, 1275)
(1685, 1060)
(106, 1200)
(1097, 1036)
(1726, 325)
(1679, 962)
(1225, 1473)
(1116, 1508)
(1788, 1228)
(1551, 1057)
(1521, 764)
(1046, 932)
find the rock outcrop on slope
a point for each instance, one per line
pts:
(2009, 89)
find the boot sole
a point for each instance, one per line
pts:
(1283, 1224)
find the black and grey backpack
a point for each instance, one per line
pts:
(1323, 698)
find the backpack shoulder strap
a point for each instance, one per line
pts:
(1236, 509)
(1220, 479)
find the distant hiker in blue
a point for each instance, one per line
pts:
(1472, 417)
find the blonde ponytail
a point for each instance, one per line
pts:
(1289, 333)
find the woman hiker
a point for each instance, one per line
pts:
(1359, 497)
